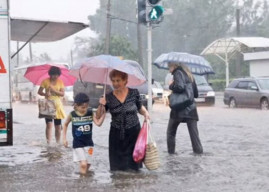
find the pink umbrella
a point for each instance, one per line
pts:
(96, 70)
(36, 74)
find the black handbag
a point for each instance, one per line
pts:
(179, 101)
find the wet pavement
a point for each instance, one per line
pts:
(235, 143)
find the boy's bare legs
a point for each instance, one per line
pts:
(58, 133)
(83, 166)
(48, 132)
(88, 166)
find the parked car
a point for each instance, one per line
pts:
(68, 95)
(157, 90)
(95, 91)
(205, 91)
(250, 92)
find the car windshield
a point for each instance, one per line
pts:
(200, 80)
(156, 84)
(70, 88)
(264, 83)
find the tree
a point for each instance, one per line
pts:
(253, 15)
(121, 12)
(119, 46)
(193, 25)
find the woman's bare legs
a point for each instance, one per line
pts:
(48, 132)
(58, 129)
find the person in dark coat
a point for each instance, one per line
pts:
(182, 76)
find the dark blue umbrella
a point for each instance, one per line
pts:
(197, 64)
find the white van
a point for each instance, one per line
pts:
(157, 90)
(22, 89)
(68, 97)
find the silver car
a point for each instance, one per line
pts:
(250, 92)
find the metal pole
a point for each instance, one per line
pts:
(71, 58)
(227, 69)
(18, 56)
(108, 26)
(30, 52)
(238, 55)
(149, 31)
(237, 22)
(18, 61)
(140, 47)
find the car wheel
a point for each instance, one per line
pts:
(264, 104)
(232, 103)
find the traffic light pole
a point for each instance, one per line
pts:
(149, 34)
(108, 26)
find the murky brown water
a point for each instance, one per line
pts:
(235, 143)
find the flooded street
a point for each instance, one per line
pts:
(235, 143)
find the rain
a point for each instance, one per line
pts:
(230, 38)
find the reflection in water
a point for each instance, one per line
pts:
(52, 153)
(18, 155)
(132, 179)
(22, 154)
(236, 158)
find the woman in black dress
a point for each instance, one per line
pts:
(123, 103)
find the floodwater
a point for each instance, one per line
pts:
(235, 143)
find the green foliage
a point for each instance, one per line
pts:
(119, 46)
(219, 67)
(218, 84)
(253, 18)
(119, 10)
(192, 26)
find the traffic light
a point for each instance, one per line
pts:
(141, 11)
(154, 11)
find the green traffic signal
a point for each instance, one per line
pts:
(155, 13)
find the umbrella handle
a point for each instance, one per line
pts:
(105, 91)
(84, 84)
(105, 83)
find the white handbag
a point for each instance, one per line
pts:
(47, 109)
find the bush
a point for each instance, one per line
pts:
(218, 84)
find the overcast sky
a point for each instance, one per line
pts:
(58, 10)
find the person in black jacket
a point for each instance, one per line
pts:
(182, 76)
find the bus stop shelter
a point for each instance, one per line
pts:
(225, 48)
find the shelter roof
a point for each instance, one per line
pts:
(232, 44)
(25, 30)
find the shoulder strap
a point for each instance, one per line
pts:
(183, 75)
(90, 111)
(73, 114)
